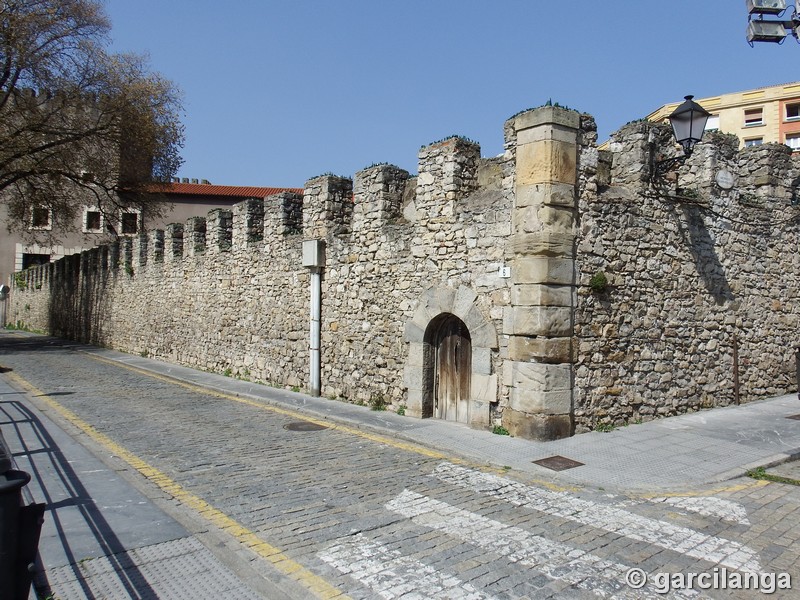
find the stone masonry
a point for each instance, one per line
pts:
(553, 290)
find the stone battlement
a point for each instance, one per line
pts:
(551, 290)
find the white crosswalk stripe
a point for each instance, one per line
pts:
(391, 575)
(609, 518)
(606, 579)
(708, 506)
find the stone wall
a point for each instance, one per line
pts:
(701, 307)
(700, 281)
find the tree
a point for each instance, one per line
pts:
(79, 125)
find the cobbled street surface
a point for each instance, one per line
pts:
(376, 519)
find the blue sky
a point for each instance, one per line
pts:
(277, 92)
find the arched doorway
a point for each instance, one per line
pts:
(447, 369)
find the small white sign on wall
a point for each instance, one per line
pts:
(504, 272)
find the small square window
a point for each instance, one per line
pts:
(130, 223)
(753, 117)
(92, 221)
(753, 142)
(40, 218)
(793, 141)
(793, 112)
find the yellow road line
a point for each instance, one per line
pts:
(374, 437)
(736, 487)
(320, 587)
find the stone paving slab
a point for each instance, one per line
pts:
(672, 453)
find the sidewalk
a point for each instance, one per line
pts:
(102, 537)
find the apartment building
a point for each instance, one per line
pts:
(759, 116)
(186, 198)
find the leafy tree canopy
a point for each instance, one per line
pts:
(79, 125)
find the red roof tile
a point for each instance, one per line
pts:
(207, 189)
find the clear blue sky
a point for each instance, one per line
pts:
(277, 92)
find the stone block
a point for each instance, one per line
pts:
(543, 377)
(412, 377)
(474, 319)
(543, 269)
(463, 301)
(552, 321)
(550, 350)
(540, 428)
(414, 333)
(483, 388)
(555, 194)
(484, 336)
(538, 294)
(543, 243)
(414, 403)
(543, 132)
(416, 355)
(479, 414)
(548, 403)
(548, 161)
(547, 115)
(481, 360)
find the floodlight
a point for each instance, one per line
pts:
(765, 31)
(766, 7)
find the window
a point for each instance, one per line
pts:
(793, 141)
(713, 123)
(33, 260)
(793, 112)
(92, 221)
(129, 223)
(753, 117)
(40, 218)
(753, 142)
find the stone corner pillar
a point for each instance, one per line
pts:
(539, 324)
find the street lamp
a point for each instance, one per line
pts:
(688, 123)
(770, 30)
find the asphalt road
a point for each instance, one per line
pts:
(359, 515)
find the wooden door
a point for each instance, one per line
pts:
(453, 368)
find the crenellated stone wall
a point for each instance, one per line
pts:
(551, 290)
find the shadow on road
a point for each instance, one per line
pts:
(52, 470)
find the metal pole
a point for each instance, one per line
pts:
(797, 369)
(736, 370)
(314, 345)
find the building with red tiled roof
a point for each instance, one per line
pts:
(185, 199)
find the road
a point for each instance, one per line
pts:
(345, 512)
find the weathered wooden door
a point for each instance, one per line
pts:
(452, 370)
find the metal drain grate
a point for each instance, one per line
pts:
(558, 463)
(795, 417)
(303, 426)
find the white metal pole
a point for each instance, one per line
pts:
(314, 346)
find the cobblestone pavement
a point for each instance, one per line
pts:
(351, 513)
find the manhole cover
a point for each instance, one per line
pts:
(304, 426)
(558, 463)
(795, 417)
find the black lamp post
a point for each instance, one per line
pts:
(688, 124)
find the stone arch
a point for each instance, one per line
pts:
(435, 303)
